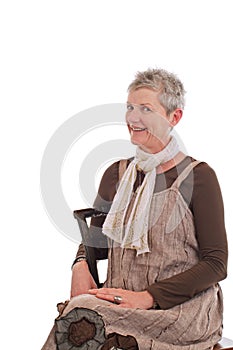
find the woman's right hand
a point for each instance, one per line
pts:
(82, 279)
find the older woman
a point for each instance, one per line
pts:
(167, 241)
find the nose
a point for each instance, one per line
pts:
(133, 117)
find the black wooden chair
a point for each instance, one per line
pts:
(82, 217)
(225, 343)
(89, 242)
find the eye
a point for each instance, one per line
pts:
(146, 109)
(130, 108)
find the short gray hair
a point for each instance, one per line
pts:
(170, 88)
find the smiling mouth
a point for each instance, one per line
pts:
(137, 128)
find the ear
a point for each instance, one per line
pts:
(175, 116)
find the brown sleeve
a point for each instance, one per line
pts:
(207, 207)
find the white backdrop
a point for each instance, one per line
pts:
(61, 57)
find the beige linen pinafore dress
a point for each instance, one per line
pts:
(195, 324)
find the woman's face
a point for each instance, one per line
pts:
(148, 123)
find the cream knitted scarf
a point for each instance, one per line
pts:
(130, 228)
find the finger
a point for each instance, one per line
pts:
(111, 291)
(93, 291)
(105, 290)
(101, 291)
(107, 297)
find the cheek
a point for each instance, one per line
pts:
(156, 124)
(128, 118)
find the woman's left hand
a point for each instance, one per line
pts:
(130, 299)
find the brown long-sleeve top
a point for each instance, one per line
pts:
(205, 202)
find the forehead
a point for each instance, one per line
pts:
(144, 96)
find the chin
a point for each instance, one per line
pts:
(136, 141)
(139, 139)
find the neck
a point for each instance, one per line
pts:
(162, 168)
(158, 146)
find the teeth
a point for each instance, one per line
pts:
(137, 129)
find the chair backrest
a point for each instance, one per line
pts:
(88, 240)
